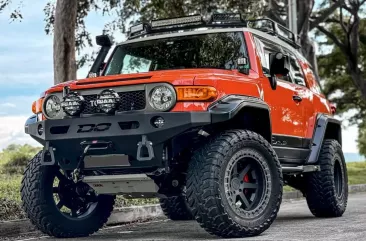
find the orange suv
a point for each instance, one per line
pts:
(212, 116)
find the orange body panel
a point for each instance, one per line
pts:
(288, 117)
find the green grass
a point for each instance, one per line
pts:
(10, 187)
(356, 173)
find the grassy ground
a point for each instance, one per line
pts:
(356, 173)
(10, 193)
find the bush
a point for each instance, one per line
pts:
(14, 158)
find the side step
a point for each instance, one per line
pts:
(301, 169)
(130, 185)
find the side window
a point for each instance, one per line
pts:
(318, 88)
(296, 72)
(264, 60)
(264, 49)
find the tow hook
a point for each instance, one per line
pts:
(145, 143)
(48, 158)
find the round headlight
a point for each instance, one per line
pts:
(52, 107)
(73, 104)
(162, 98)
(108, 101)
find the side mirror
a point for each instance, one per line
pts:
(279, 65)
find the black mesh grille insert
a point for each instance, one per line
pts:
(134, 100)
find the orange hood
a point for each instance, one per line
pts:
(174, 77)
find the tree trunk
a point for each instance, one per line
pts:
(64, 59)
(304, 11)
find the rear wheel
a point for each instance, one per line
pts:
(234, 185)
(176, 207)
(327, 190)
(59, 207)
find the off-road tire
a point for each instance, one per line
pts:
(176, 208)
(321, 195)
(40, 207)
(205, 194)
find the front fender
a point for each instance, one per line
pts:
(245, 112)
(229, 106)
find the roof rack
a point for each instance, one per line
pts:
(216, 20)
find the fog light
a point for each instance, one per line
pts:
(108, 101)
(158, 122)
(40, 129)
(73, 104)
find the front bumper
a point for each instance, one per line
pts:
(131, 134)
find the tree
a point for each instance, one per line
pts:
(338, 83)
(131, 11)
(347, 39)
(307, 20)
(64, 44)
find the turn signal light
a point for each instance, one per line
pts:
(37, 106)
(196, 93)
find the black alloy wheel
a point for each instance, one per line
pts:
(234, 184)
(245, 185)
(75, 200)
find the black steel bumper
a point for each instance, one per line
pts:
(131, 134)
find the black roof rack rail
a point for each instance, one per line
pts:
(271, 27)
(221, 20)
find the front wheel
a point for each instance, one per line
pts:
(234, 184)
(327, 190)
(59, 207)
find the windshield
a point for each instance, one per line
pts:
(215, 50)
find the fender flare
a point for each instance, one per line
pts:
(325, 126)
(228, 107)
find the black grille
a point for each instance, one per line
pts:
(134, 100)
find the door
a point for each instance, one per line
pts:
(285, 103)
(303, 95)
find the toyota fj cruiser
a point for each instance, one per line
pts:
(211, 116)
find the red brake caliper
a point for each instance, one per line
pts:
(246, 179)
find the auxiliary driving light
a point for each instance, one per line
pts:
(194, 19)
(108, 101)
(73, 104)
(158, 122)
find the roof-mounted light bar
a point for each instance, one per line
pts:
(226, 18)
(139, 29)
(217, 20)
(191, 20)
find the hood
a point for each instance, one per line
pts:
(174, 77)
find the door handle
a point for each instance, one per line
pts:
(297, 98)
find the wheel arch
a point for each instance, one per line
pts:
(242, 112)
(326, 127)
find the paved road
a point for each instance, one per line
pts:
(294, 222)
